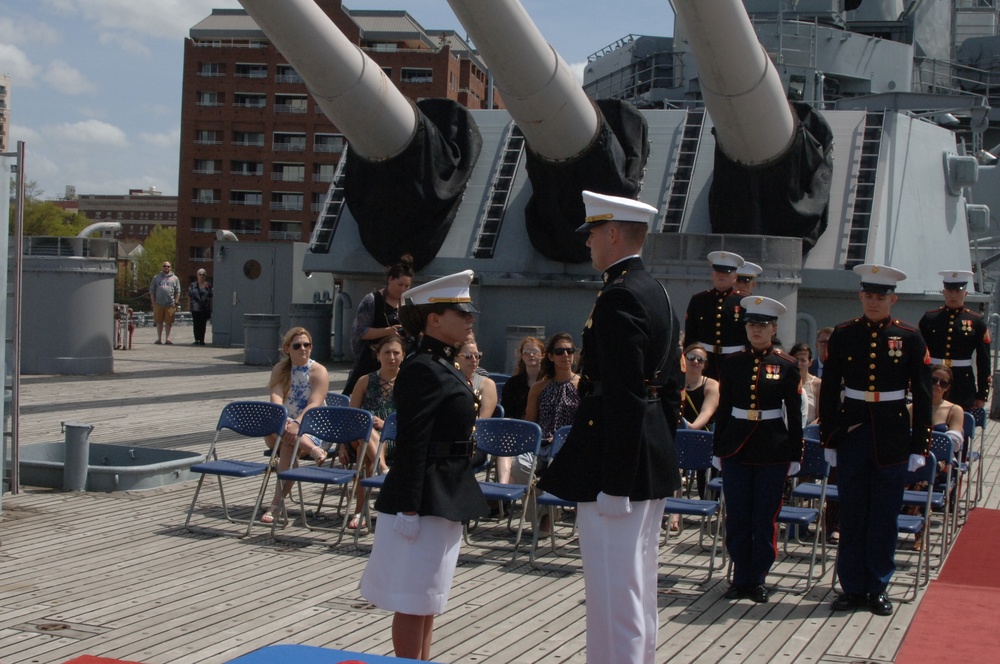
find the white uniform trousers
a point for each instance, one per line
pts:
(620, 574)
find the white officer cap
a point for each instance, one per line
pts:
(452, 290)
(878, 278)
(956, 279)
(601, 208)
(749, 269)
(725, 261)
(761, 309)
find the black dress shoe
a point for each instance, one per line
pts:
(849, 602)
(737, 592)
(759, 594)
(879, 604)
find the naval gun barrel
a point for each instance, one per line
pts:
(353, 91)
(407, 165)
(573, 143)
(742, 90)
(539, 90)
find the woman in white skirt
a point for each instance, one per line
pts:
(430, 488)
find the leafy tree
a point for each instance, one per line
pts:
(159, 246)
(43, 218)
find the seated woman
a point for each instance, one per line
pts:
(484, 387)
(947, 418)
(698, 405)
(373, 392)
(552, 403)
(810, 383)
(299, 383)
(515, 392)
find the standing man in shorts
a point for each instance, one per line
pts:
(165, 294)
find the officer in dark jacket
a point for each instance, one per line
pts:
(713, 318)
(953, 334)
(758, 438)
(430, 489)
(618, 461)
(868, 436)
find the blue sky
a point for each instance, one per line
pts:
(96, 84)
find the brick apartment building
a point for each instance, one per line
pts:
(139, 212)
(257, 155)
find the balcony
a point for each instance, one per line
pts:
(328, 147)
(250, 103)
(289, 108)
(288, 177)
(286, 205)
(208, 103)
(249, 142)
(205, 201)
(288, 147)
(322, 177)
(255, 202)
(284, 235)
(197, 229)
(247, 173)
(206, 171)
(207, 141)
(288, 78)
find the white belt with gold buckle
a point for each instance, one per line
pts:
(721, 350)
(948, 362)
(757, 415)
(874, 397)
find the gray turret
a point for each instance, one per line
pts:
(407, 165)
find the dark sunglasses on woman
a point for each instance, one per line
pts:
(299, 345)
(564, 351)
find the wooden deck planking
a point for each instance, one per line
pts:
(130, 582)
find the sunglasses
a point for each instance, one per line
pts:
(299, 345)
(941, 381)
(564, 351)
(696, 358)
(470, 356)
(530, 353)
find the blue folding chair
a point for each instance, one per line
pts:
(550, 502)
(256, 419)
(507, 438)
(500, 379)
(979, 418)
(338, 426)
(337, 399)
(942, 490)
(694, 453)
(372, 482)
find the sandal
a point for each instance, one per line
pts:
(268, 516)
(319, 455)
(355, 522)
(675, 524)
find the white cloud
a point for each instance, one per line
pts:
(23, 133)
(167, 139)
(167, 19)
(577, 69)
(126, 42)
(26, 30)
(16, 62)
(68, 79)
(89, 131)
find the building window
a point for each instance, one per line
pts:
(208, 137)
(284, 230)
(205, 196)
(255, 70)
(211, 69)
(290, 104)
(288, 142)
(245, 226)
(287, 74)
(201, 254)
(388, 72)
(238, 197)
(324, 172)
(205, 166)
(209, 99)
(384, 48)
(328, 143)
(289, 172)
(414, 75)
(246, 168)
(252, 138)
(246, 100)
(204, 225)
(286, 200)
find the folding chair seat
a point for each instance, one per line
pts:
(337, 399)
(968, 460)
(550, 502)
(338, 426)
(694, 452)
(941, 492)
(500, 379)
(373, 482)
(255, 419)
(508, 438)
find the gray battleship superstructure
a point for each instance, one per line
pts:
(884, 147)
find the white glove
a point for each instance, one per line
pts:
(717, 463)
(793, 468)
(613, 506)
(957, 440)
(407, 525)
(917, 462)
(830, 456)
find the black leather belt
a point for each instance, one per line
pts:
(443, 449)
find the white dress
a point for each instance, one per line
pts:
(421, 586)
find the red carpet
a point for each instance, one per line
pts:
(90, 659)
(956, 620)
